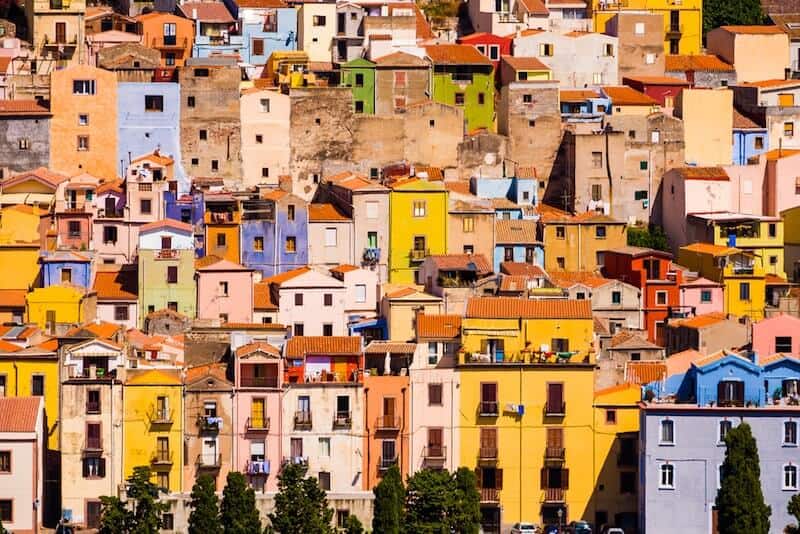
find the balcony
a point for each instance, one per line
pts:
(342, 420)
(674, 31)
(554, 495)
(257, 467)
(207, 423)
(210, 462)
(74, 207)
(60, 43)
(93, 445)
(555, 409)
(110, 214)
(385, 462)
(554, 454)
(490, 495)
(612, 5)
(259, 382)
(257, 424)
(221, 217)
(487, 454)
(166, 254)
(488, 409)
(302, 420)
(297, 460)
(435, 454)
(161, 416)
(163, 458)
(371, 255)
(418, 255)
(169, 42)
(387, 422)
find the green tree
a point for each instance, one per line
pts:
(387, 516)
(140, 513)
(238, 513)
(115, 518)
(353, 526)
(740, 503)
(300, 504)
(647, 237)
(427, 497)
(718, 13)
(464, 514)
(794, 510)
(204, 518)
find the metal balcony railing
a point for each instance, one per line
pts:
(555, 408)
(208, 461)
(488, 408)
(208, 423)
(554, 495)
(93, 444)
(387, 422)
(385, 462)
(342, 420)
(302, 420)
(161, 458)
(257, 424)
(490, 495)
(161, 416)
(487, 454)
(554, 453)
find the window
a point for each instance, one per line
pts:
(298, 299)
(290, 212)
(789, 477)
(258, 243)
(37, 386)
(724, 427)
(611, 417)
(298, 329)
(94, 466)
(324, 478)
(597, 162)
(259, 139)
(66, 276)
(359, 106)
(788, 129)
(109, 234)
(324, 446)
(372, 210)
(759, 143)
(638, 28)
(705, 296)
(783, 344)
(330, 237)
(83, 87)
(162, 480)
(643, 165)
(399, 78)
(545, 49)
(561, 262)
(166, 242)
(195, 162)
(561, 232)
(121, 313)
(361, 293)
(554, 403)
(468, 225)
(667, 433)
(433, 353)
(172, 274)
(600, 232)
(359, 80)
(342, 517)
(203, 135)
(661, 298)
(5, 461)
(145, 206)
(608, 49)
(616, 297)
(790, 433)
(291, 244)
(488, 398)
(627, 482)
(327, 299)
(170, 59)
(83, 143)
(221, 240)
(459, 99)
(24, 143)
(434, 394)
(527, 99)
(93, 512)
(744, 291)
(652, 268)
(153, 103)
(508, 254)
(773, 260)
(264, 103)
(189, 101)
(318, 20)
(674, 46)
(494, 52)
(258, 47)
(580, 295)
(481, 98)
(419, 208)
(667, 476)
(223, 289)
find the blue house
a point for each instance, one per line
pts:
(749, 139)
(149, 118)
(781, 376)
(515, 240)
(274, 233)
(64, 266)
(266, 26)
(726, 379)
(214, 27)
(509, 195)
(584, 105)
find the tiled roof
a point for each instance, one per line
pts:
(278, 279)
(775, 280)
(6, 347)
(22, 107)
(354, 181)
(514, 283)
(110, 185)
(567, 279)
(431, 173)
(616, 389)
(19, 414)
(710, 248)
(576, 95)
(157, 157)
(166, 223)
(701, 321)
(780, 153)
(644, 372)
(753, 30)
(600, 327)
(524, 63)
(515, 231)
(458, 186)
(522, 269)
(218, 264)
(772, 84)
(788, 23)
(462, 262)
(777, 357)
(392, 347)
(550, 214)
(438, 326)
(740, 122)
(680, 362)
(256, 347)
(509, 307)
(703, 173)
(699, 62)
(535, 7)
(630, 341)
(13, 297)
(117, 282)
(101, 329)
(215, 12)
(717, 356)
(261, 3)
(628, 96)
(343, 268)
(262, 297)
(322, 345)
(454, 54)
(25, 334)
(197, 372)
(400, 59)
(325, 212)
(658, 80)
(43, 174)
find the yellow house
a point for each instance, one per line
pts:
(19, 265)
(791, 242)
(418, 226)
(61, 304)
(616, 437)
(741, 273)
(399, 307)
(21, 223)
(27, 371)
(683, 21)
(707, 116)
(153, 425)
(526, 392)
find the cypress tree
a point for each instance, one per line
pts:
(300, 504)
(238, 512)
(387, 516)
(740, 503)
(427, 496)
(464, 513)
(204, 518)
(794, 510)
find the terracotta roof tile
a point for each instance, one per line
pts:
(400, 59)
(680, 362)
(780, 153)
(527, 32)
(102, 329)
(514, 283)
(261, 3)
(524, 63)
(577, 95)
(509, 307)
(402, 292)
(515, 268)
(343, 268)
(462, 262)
(7, 347)
(772, 84)
(214, 12)
(438, 326)
(717, 356)
(218, 264)
(515, 231)
(13, 298)
(628, 96)
(457, 186)
(645, 372)
(261, 346)
(278, 279)
(454, 54)
(430, 173)
(753, 30)
(166, 223)
(658, 80)
(19, 414)
(740, 122)
(301, 345)
(699, 62)
(567, 279)
(535, 7)
(197, 372)
(325, 212)
(703, 173)
(43, 174)
(262, 297)
(392, 347)
(117, 282)
(22, 107)
(156, 157)
(701, 321)
(710, 248)
(628, 340)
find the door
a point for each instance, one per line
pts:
(163, 449)
(435, 442)
(61, 32)
(209, 452)
(342, 406)
(388, 412)
(170, 34)
(257, 413)
(555, 398)
(110, 206)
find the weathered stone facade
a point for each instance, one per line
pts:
(24, 141)
(641, 43)
(400, 81)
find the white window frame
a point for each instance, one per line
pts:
(324, 443)
(719, 476)
(660, 433)
(720, 438)
(783, 433)
(331, 236)
(661, 472)
(361, 293)
(494, 52)
(784, 470)
(433, 357)
(372, 209)
(666, 298)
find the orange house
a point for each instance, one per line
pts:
(84, 125)
(171, 35)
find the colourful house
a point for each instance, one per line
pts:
(525, 418)
(224, 290)
(59, 305)
(464, 77)
(153, 425)
(418, 215)
(171, 35)
(523, 69)
(492, 46)
(19, 265)
(740, 272)
(359, 75)
(777, 334)
(221, 222)
(65, 266)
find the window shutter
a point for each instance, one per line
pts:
(740, 391)
(498, 479)
(545, 483)
(478, 476)
(720, 391)
(101, 468)
(85, 468)
(565, 478)
(555, 437)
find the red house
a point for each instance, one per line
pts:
(662, 89)
(491, 46)
(649, 270)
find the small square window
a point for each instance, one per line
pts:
(189, 101)
(83, 119)
(259, 139)
(265, 172)
(214, 165)
(203, 135)
(611, 417)
(195, 162)
(83, 143)
(459, 99)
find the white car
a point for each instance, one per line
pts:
(525, 528)
(615, 530)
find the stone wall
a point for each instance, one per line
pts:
(36, 131)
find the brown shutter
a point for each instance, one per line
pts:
(479, 476)
(489, 437)
(720, 391)
(85, 468)
(498, 479)
(555, 437)
(435, 437)
(488, 392)
(555, 395)
(101, 468)
(545, 481)
(565, 478)
(740, 391)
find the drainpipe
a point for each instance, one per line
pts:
(402, 430)
(366, 430)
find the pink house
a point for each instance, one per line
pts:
(702, 295)
(75, 210)
(259, 383)
(224, 290)
(780, 333)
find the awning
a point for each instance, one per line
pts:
(10, 199)
(487, 332)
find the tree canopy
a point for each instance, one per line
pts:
(204, 518)
(387, 515)
(300, 504)
(718, 13)
(238, 512)
(145, 514)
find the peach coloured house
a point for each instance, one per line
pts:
(702, 296)
(224, 290)
(75, 211)
(362, 289)
(780, 333)
(257, 423)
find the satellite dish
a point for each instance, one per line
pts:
(490, 158)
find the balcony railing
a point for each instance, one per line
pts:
(627, 460)
(110, 214)
(169, 41)
(554, 454)
(554, 495)
(161, 416)
(342, 420)
(488, 408)
(387, 422)
(93, 444)
(257, 424)
(416, 254)
(490, 495)
(208, 423)
(257, 467)
(385, 462)
(209, 461)
(371, 255)
(611, 5)
(302, 420)
(435, 453)
(555, 408)
(259, 381)
(92, 407)
(675, 30)
(161, 458)
(166, 254)
(487, 454)
(298, 460)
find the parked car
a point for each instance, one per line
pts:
(614, 530)
(579, 527)
(552, 529)
(525, 528)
